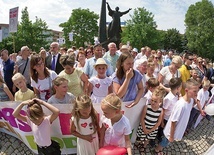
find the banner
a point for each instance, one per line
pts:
(60, 130)
(13, 19)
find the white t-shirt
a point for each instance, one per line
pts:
(115, 135)
(167, 75)
(169, 102)
(202, 96)
(148, 97)
(180, 115)
(100, 88)
(44, 86)
(41, 133)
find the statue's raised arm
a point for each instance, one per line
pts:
(114, 28)
(125, 12)
(110, 11)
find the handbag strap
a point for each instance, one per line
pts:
(25, 67)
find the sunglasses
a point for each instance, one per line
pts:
(191, 59)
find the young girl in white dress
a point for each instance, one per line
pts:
(116, 127)
(85, 126)
(100, 85)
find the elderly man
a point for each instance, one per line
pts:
(8, 67)
(112, 55)
(52, 60)
(22, 65)
(141, 53)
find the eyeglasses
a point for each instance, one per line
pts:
(200, 62)
(190, 59)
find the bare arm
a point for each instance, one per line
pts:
(145, 130)
(162, 121)
(16, 112)
(77, 134)
(110, 89)
(200, 108)
(90, 88)
(102, 135)
(120, 90)
(128, 144)
(84, 79)
(139, 95)
(160, 79)
(36, 91)
(54, 110)
(9, 94)
(172, 132)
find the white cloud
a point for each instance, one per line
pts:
(167, 13)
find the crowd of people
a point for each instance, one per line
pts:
(176, 87)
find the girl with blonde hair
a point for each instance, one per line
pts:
(85, 126)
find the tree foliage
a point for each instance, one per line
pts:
(30, 34)
(141, 30)
(83, 24)
(200, 28)
(173, 40)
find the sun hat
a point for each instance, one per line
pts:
(135, 50)
(100, 61)
(124, 47)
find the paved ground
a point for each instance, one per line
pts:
(195, 143)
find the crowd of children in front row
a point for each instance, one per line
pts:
(164, 117)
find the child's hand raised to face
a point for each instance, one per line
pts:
(129, 73)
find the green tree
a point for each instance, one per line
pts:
(31, 34)
(200, 28)
(173, 40)
(83, 24)
(141, 30)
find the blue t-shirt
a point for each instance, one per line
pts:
(132, 89)
(167, 62)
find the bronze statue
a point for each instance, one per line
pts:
(114, 28)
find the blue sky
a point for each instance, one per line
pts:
(167, 13)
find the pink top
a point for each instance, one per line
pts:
(41, 133)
